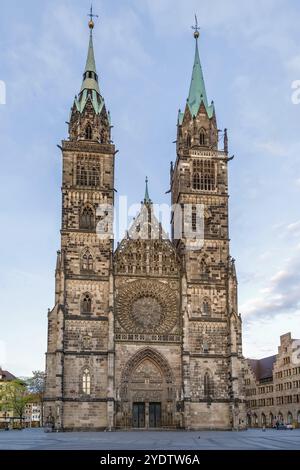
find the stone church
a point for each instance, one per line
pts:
(145, 334)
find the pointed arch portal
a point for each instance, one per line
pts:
(147, 393)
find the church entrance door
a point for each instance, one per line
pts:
(138, 415)
(154, 415)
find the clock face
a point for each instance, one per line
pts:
(146, 307)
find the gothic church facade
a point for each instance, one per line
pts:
(147, 334)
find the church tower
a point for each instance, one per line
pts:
(212, 346)
(79, 360)
(146, 335)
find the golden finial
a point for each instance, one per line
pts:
(196, 28)
(91, 15)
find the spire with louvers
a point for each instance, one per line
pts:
(90, 77)
(90, 84)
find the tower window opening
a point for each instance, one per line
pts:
(86, 382)
(86, 304)
(88, 172)
(206, 307)
(202, 137)
(188, 140)
(87, 220)
(208, 385)
(204, 178)
(88, 132)
(87, 261)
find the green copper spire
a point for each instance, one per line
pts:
(197, 93)
(90, 86)
(90, 61)
(147, 199)
(90, 77)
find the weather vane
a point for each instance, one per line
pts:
(91, 15)
(196, 28)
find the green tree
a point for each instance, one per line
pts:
(14, 397)
(36, 383)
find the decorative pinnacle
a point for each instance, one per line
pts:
(147, 199)
(91, 15)
(196, 28)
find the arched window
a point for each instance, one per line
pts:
(263, 419)
(88, 171)
(88, 132)
(271, 419)
(202, 137)
(188, 140)
(204, 174)
(87, 219)
(206, 307)
(298, 417)
(86, 304)
(205, 347)
(208, 385)
(86, 382)
(87, 263)
(289, 418)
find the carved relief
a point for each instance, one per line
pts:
(155, 257)
(86, 342)
(146, 374)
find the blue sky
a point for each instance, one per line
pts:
(250, 54)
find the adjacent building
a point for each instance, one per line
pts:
(32, 414)
(272, 386)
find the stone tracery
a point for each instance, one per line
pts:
(146, 306)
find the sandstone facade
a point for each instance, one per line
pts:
(146, 334)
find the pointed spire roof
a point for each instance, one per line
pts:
(90, 86)
(147, 199)
(197, 92)
(90, 61)
(90, 77)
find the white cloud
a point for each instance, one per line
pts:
(279, 296)
(262, 336)
(294, 228)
